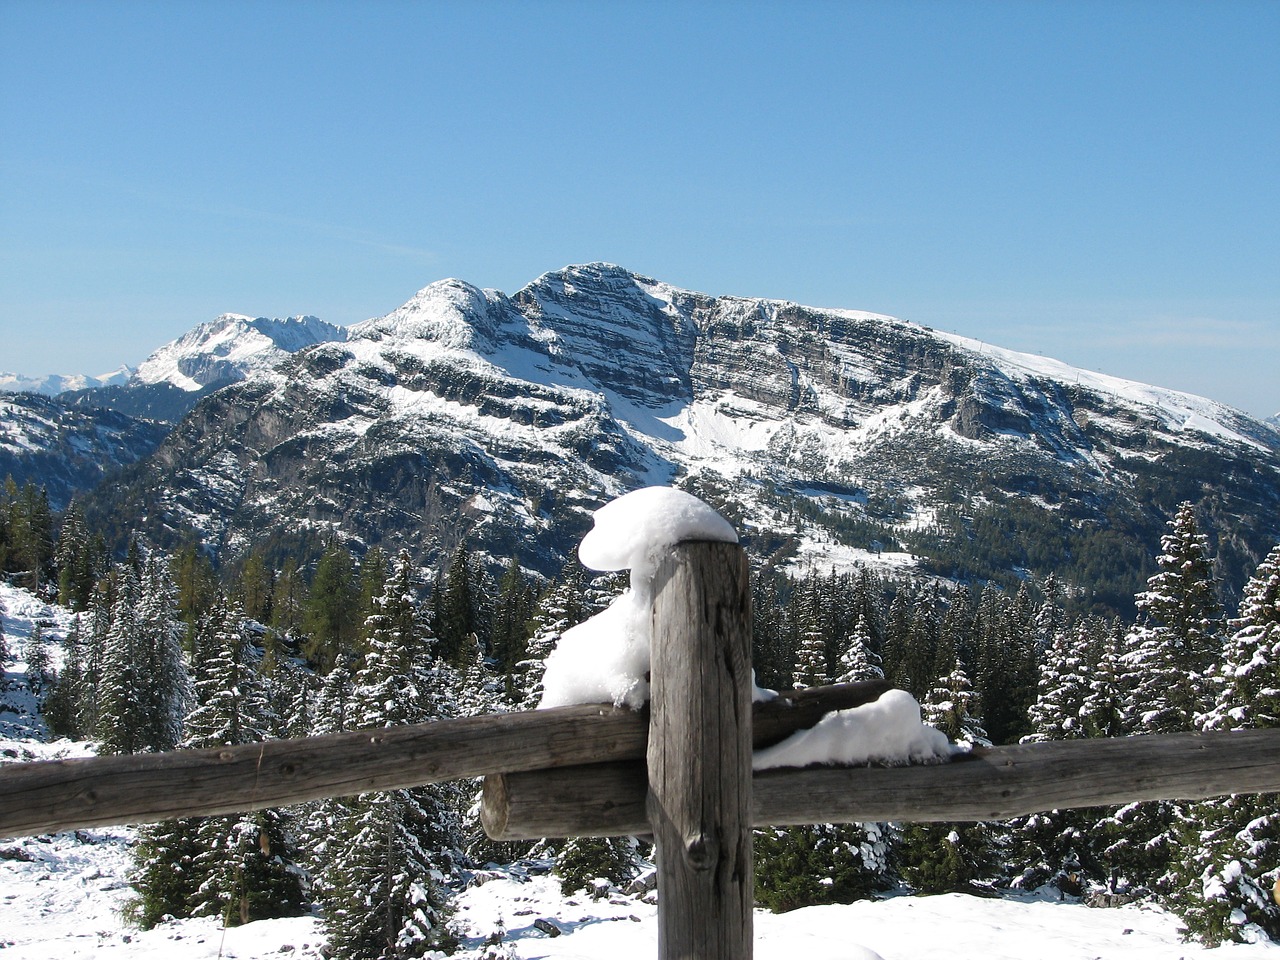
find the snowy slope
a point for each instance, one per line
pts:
(231, 347)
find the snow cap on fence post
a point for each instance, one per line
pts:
(606, 658)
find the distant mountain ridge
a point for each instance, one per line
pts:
(828, 436)
(54, 384)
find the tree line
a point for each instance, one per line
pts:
(166, 652)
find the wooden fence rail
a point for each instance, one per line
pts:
(51, 795)
(679, 770)
(995, 783)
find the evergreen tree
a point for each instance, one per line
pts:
(237, 867)
(163, 875)
(382, 895)
(947, 858)
(39, 669)
(257, 587)
(952, 707)
(120, 721)
(821, 863)
(1060, 846)
(454, 619)
(1169, 651)
(562, 606)
(1231, 847)
(1166, 662)
(859, 661)
(329, 612)
(582, 860)
(165, 692)
(811, 646)
(1063, 690)
(4, 651)
(80, 559)
(62, 705)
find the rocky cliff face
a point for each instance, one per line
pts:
(827, 436)
(68, 450)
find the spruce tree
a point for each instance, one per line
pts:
(1231, 845)
(329, 611)
(237, 867)
(381, 887)
(1176, 640)
(582, 860)
(1167, 658)
(821, 863)
(859, 661)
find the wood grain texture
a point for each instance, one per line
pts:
(46, 796)
(55, 795)
(699, 756)
(992, 784)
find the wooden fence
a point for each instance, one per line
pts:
(681, 770)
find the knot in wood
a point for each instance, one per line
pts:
(701, 851)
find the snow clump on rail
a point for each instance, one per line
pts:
(606, 658)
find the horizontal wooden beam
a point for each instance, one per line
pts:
(996, 783)
(51, 795)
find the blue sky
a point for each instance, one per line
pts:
(1097, 182)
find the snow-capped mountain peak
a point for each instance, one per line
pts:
(448, 312)
(231, 347)
(54, 384)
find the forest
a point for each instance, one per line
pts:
(168, 653)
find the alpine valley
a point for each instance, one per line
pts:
(468, 417)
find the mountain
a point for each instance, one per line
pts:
(231, 347)
(66, 449)
(471, 417)
(55, 384)
(171, 380)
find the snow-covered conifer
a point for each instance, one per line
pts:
(1231, 845)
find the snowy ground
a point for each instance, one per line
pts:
(65, 905)
(62, 898)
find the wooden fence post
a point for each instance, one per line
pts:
(699, 755)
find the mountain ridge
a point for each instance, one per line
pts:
(467, 416)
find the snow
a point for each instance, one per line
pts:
(64, 895)
(606, 658)
(67, 904)
(633, 531)
(888, 730)
(1180, 411)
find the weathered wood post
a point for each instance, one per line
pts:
(699, 755)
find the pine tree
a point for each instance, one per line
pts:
(1063, 690)
(1060, 846)
(328, 614)
(859, 661)
(582, 860)
(1231, 846)
(820, 864)
(811, 643)
(163, 875)
(166, 691)
(79, 558)
(952, 707)
(382, 894)
(1166, 662)
(39, 669)
(120, 720)
(4, 651)
(1169, 651)
(237, 867)
(947, 858)
(562, 606)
